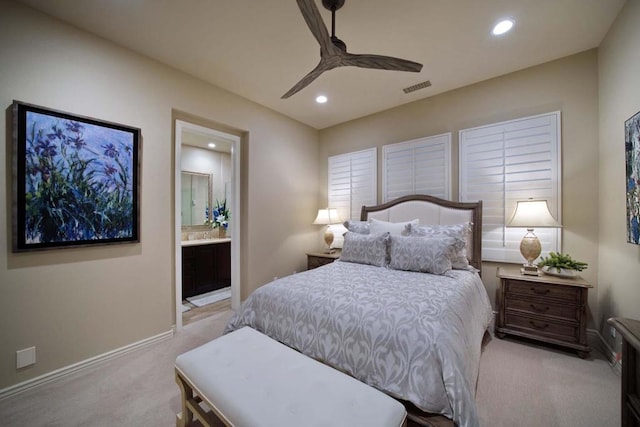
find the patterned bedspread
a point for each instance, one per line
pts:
(415, 336)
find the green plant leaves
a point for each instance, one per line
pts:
(560, 260)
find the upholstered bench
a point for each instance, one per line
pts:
(247, 379)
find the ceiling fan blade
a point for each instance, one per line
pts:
(379, 62)
(306, 80)
(315, 23)
(333, 51)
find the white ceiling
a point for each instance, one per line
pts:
(259, 49)
(203, 139)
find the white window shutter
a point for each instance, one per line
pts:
(352, 182)
(503, 163)
(419, 166)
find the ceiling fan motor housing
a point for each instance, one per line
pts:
(332, 5)
(339, 43)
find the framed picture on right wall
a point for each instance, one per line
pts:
(632, 154)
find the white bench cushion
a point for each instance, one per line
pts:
(253, 380)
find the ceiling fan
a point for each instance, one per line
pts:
(333, 51)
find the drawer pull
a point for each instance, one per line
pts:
(539, 309)
(540, 291)
(538, 326)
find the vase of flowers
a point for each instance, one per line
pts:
(220, 218)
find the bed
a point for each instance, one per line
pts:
(415, 335)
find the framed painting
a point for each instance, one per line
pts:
(632, 154)
(75, 180)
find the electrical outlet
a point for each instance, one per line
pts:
(26, 357)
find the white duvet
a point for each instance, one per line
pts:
(415, 336)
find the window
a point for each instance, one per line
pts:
(352, 182)
(505, 162)
(420, 166)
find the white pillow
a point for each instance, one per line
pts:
(365, 248)
(394, 228)
(432, 255)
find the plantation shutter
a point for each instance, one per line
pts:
(503, 163)
(420, 166)
(352, 182)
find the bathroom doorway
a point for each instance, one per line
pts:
(207, 177)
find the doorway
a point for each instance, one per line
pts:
(189, 138)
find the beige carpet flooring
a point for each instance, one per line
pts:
(526, 384)
(520, 384)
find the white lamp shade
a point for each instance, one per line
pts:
(327, 216)
(532, 214)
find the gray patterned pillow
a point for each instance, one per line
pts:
(360, 227)
(432, 255)
(365, 248)
(459, 231)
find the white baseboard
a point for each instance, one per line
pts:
(68, 370)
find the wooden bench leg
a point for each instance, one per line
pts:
(191, 409)
(185, 418)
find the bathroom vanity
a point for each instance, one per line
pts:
(206, 266)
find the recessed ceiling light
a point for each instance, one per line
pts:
(211, 145)
(321, 99)
(502, 27)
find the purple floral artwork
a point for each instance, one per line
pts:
(78, 182)
(632, 152)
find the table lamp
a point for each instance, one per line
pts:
(327, 217)
(532, 214)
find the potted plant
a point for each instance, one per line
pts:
(559, 264)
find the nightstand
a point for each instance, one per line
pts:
(317, 259)
(544, 308)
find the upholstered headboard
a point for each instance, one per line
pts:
(432, 210)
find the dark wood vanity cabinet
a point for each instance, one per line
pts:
(222, 270)
(205, 268)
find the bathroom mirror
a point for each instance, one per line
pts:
(196, 198)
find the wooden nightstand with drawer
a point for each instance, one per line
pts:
(317, 259)
(544, 308)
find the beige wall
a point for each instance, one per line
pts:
(619, 88)
(568, 85)
(79, 303)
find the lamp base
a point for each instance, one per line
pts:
(328, 239)
(530, 270)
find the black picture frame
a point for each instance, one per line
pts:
(76, 180)
(632, 160)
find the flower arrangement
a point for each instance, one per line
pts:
(221, 215)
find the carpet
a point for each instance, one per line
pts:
(520, 384)
(210, 297)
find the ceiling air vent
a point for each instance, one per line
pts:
(417, 87)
